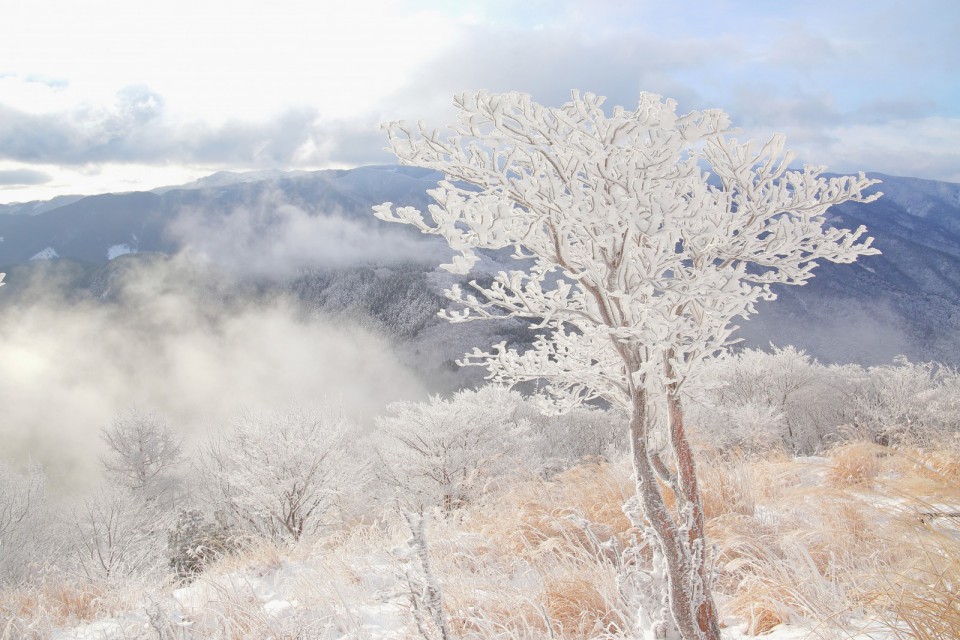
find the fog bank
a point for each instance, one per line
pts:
(268, 236)
(164, 339)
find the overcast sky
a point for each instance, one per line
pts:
(115, 96)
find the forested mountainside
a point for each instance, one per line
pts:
(311, 235)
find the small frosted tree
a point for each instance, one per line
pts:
(440, 453)
(142, 455)
(117, 535)
(785, 382)
(635, 265)
(278, 475)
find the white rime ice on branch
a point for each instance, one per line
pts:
(142, 455)
(279, 474)
(639, 264)
(426, 596)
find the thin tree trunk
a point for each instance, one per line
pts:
(691, 603)
(700, 569)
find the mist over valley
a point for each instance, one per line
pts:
(246, 290)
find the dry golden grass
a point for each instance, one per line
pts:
(258, 556)
(51, 604)
(769, 578)
(868, 532)
(763, 616)
(727, 485)
(918, 591)
(920, 595)
(799, 541)
(855, 464)
(928, 473)
(875, 536)
(578, 605)
(538, 559)
(561, 597)
(579, 509)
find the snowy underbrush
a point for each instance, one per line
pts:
(831, 495)
(865, 533)
(785, 399)
(862, 542)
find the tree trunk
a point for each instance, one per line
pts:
(701, 572)
(683, 545)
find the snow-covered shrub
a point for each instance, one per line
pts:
(748, 426)
(279, 474)
(785, 398)
(906, 402)
(194, 542)
(445, 451)
(582, 433)
(442, 453)
(782, 398)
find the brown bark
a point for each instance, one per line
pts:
(706, 614)
(695, 614)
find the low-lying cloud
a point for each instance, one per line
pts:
(137, 128)
(272, 238)
(171, 342)
(16, 177)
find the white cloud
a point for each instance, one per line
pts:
(214, 61)
(924, 147)
(170, 344)
(97, 178)
(298, 84)
(273, 238)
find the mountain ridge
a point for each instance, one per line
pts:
(906, 300)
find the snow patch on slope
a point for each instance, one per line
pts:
(118, 250)
(283, 598)
(47, 254)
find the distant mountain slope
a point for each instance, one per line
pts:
(86, 229)
(905, 301)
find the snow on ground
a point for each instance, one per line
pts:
(868, 631)
(282, 599)
(332, 594)
(386, 619)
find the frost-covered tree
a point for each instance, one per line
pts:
(801, 397)
(440, 453)
(20, 495)
(21, 510)
(277, 475)
(635, 265)
(142, 455)
(906, 402)
(116, 534)
(580, 433)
